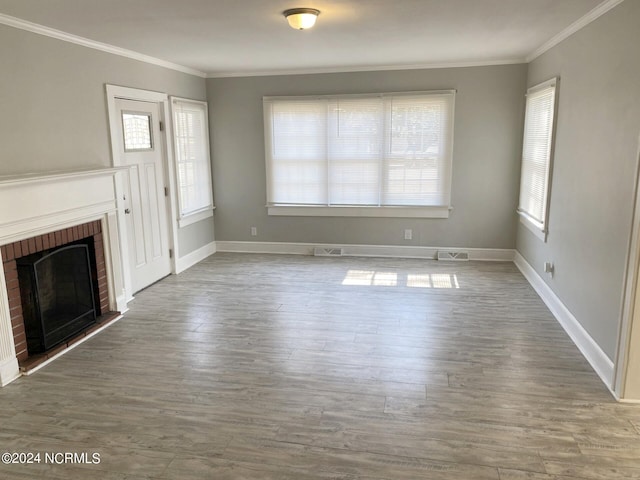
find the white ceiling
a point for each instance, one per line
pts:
(247, 37)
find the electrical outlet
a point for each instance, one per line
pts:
(549, 268)
(408, 234)
(254, 231)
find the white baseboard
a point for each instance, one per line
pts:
(190, 259)
(599, 360)
(395, 251)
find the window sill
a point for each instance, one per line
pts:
(340, 211)
(536, 229)
(195, 217)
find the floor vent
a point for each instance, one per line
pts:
(327, 252)
(453, 256)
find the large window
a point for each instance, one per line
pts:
(364, 155)
(193, 167)
(537, 154)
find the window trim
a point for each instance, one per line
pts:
(400, 211)
(541, 229)
(207, 211)
(357, 211)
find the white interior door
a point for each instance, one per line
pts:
(141, 150)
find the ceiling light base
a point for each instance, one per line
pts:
(301, 18)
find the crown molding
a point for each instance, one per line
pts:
(19, 23)
(369, 68)
(85, 42)
(579, 24)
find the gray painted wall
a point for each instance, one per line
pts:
(595, 161)
(486, 166)
(54, 111)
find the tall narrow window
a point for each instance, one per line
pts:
(537, 155)
(193, 166)
(360, 154)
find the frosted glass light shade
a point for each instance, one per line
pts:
(301, 18)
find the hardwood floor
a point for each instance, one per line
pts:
(300, 368)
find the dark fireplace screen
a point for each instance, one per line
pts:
(57, 295)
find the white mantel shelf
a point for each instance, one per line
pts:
(57, 175)
(35, 204)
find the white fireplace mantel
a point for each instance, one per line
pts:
(33, 205)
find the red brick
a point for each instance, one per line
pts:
(13, 284)
(15, 308)
(10, 269)
(17, 322)
(56, 350)
(32, 245)
(14, 302)
(65, 237)
(91, 228)
(22, 356)
(3, 249)
(81, 336)
(45, 242)
(14, 294)
(15, 311)
(52, 240)
(19, 338)
(10, 274)
(10, 253)
(25, 247)
(99, 225)
(39, 246)
(58, 237)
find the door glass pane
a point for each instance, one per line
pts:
(137, 131)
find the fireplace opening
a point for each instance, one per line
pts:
(57, 293)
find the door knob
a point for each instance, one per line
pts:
(127, 211)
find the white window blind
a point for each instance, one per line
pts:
(193, 167)
(536, 153)
(360, 150)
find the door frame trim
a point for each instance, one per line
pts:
(114, 92)
(631, 288)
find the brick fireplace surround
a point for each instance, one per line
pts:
(47, 241)
(41, 212)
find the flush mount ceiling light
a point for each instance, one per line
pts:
(301, 18)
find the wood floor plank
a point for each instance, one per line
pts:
(290, 367)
